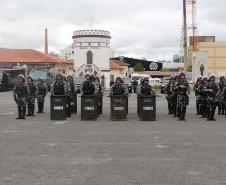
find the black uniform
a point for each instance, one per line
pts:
(59, 88)
(21, 93)
(99, 96)
(135, 84)
(88, 88)
(212, 90)
(72, 97)
(182, 89)
(175, 94)
(170, 90)
(118, 89)
(224, 99)
(198, 98)
(221, 106)
(41, 94)
(145, 89)
(202, 93)
(31, 98)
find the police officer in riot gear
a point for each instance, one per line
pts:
(72, 91)
(145, 88)
(170, 89)
(31, 98)
(59, 86)
(135, 85)
(118, 88)
(182, 88)
(195, 88)
(221, 85)
(202, 93)
(21, 93)
(40, 95)
(224, 98)
(88, 87)
(99, 93)
(212, 90)
(175, 94)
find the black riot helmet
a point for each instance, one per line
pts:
(204, 80)
(222, 78)
(118, 79)
(29, 77)
(21, 77)
(58, 76)
(172, 78)
(182, 75)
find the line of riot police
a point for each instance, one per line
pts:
(210, 95)
(25, 92)
(177, 95)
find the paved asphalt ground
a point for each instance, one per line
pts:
(73, 152)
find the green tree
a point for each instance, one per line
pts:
(138, 67)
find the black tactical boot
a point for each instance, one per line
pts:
(23, 112)
(219, 110)
(32, 110)
(28, 110)
(19, 112)
(42, 107)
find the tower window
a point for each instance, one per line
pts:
(89, 57)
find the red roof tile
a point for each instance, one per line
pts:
(28, 56)
(114, 65)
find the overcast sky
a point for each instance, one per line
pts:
(139, 28)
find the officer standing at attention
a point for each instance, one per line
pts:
(21, 93)
(212, 90)
(170, 88)
(195, 88)
(72, 91)
(145, 88)
(99, 93)
(182, 88)
(41, 94)
(118, 88)
(202, 93)
(59, 86)
(88, 87)
(175, 94)
(221, 85)
(224, 98)
(31, 98)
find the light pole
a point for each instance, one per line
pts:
(185, 36)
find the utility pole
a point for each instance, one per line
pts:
(185, 36)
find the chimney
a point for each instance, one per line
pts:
(46, 42)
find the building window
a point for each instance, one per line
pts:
(72, 52)
(89, 57)
(89, 44)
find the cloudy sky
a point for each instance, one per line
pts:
(139, 28)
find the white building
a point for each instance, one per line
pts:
(91, 51)
(67, 53)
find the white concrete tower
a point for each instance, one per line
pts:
(92, 50)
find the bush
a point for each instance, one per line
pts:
(164, 70)
(138, 67)
(156, 87)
